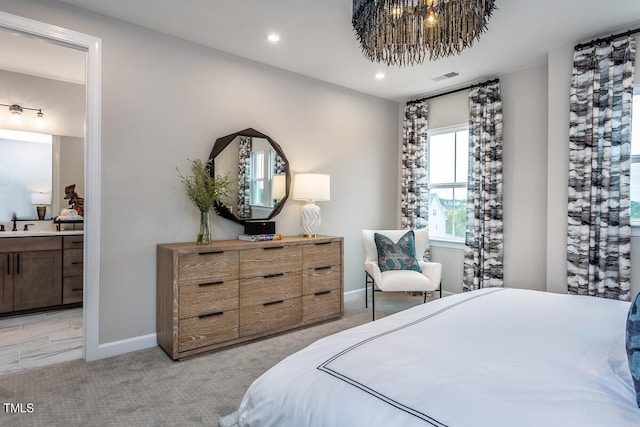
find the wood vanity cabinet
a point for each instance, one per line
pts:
(32, 272)
(40, 272)
(72, 268)
(213, 296)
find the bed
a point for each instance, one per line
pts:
(492, 357)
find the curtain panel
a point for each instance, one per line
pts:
(414, 181)
(483, 258)
(599, 229)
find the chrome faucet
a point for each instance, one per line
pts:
(14, 219)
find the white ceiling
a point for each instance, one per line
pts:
(317, 39)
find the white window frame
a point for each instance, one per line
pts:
(443, 241)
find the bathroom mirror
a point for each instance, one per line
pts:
(259, 172)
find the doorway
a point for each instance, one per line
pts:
(92, 46)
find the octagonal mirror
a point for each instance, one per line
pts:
(259, 171)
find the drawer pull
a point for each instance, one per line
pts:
(268, 276)
(322, 243)
(324, 267)
(273, 302)
(77, 263)
(211, 283)
(322, 293)
(273, 247)
(217, 313)
(76, 289)
(211, 253)
(76, 243)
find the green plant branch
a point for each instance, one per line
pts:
(202, 188)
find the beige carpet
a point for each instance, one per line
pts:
(147, 388)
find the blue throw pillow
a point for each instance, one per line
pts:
(633, 344)
(396, 256)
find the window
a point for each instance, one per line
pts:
(448, 163)
(635, 158)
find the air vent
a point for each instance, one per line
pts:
(446, 76)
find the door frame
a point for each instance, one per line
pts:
(92, 157)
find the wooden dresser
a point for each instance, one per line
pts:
(213, 296)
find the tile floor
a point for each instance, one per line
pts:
(40, 339)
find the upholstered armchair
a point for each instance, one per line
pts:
(399, 274)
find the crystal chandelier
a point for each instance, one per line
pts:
(406, 32)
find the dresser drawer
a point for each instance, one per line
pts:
(72, 289)
(321, 279)
(206, 298)
(72, 262)
(321, 304)
(270, 260)
(208, 266)
(270, 316)
(321, 254)
(261, 290)
(209, 329)
(73, 242)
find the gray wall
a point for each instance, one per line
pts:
(166, 100)
(524, 109)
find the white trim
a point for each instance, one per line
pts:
(92, 185)
(128, 345)
(635, 230)
(442, 243)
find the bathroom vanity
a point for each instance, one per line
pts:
(40, 270)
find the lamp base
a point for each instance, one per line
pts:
(42, 210)
(310, 219)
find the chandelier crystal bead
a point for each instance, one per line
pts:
(406, 32)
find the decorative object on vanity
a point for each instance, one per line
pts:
(16, 110)
(75, 201)
(204, 190)
(41, 200)
(260, 166)
(311, 187)
(234, 291)
(406, 32)
(68, 216)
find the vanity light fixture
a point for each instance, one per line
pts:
(17, 110)
(273, 38)
(380, 75)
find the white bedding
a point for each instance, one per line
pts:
(493, 357)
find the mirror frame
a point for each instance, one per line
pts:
(222, 143)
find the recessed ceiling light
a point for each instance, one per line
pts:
(380, 75)
(273, 38)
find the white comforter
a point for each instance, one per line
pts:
(493, 357)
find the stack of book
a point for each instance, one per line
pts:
(259, 237)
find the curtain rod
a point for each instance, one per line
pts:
(606, 39)
(488, 82)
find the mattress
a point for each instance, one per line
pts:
(491, 357)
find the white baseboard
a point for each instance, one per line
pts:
(128, 345)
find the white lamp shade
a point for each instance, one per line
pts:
(312, 187)
(278, 186)
(40, 198)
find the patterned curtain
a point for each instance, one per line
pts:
(244, 177)
(415, 186)
(483, 256)
(599, 231)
